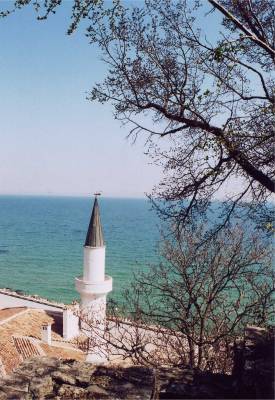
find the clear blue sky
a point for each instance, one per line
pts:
(54, 141)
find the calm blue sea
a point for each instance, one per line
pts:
(41, 242)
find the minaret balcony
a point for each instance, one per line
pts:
(88, 287)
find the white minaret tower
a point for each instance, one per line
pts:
(94, 285)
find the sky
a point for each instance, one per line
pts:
(53, 140)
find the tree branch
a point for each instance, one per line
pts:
(251, 36)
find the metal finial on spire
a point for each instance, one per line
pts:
(94, 237)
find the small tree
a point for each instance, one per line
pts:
(190, 308)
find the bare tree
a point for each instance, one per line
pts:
(210, 101)
(190, 308)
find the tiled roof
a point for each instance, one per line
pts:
(10, 312)
(62, 352)
(13, 349)
(9, 355)
(26, 347)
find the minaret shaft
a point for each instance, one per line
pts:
(94, 285)
(94, 264)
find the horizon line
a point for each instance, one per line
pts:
(83, 195)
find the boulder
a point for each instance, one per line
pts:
(63, 377)
(71, 392)
(40, 387)
(97, 392)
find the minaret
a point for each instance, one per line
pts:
(94, 285)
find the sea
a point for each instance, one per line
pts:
(41, 242)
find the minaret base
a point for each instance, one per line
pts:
(93, 298)
(93, 314)
(87, 288)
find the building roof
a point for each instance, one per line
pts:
(20, 337)
(6, 313)
(94, 237)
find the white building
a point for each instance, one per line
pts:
(94, 285)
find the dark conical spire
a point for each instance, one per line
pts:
(94, 237)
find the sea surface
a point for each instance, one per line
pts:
(41, 242)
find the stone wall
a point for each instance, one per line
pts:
(50, 378)
(253, 372)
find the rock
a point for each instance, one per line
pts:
(38, 366)
(42, 378)
(15, 395)
(97, 392)
(186, 384)
(125, 383)
(60, 376)
(71, 392)
(84, 372)
(83, 379)
(17, 383)
(254, 365)
(41, 387)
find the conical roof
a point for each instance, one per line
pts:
(94, 237)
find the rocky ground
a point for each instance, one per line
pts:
(50, 378)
